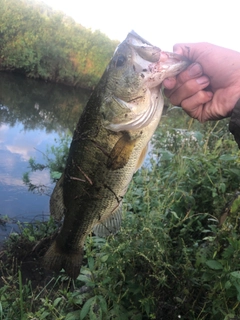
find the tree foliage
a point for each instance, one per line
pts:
(45, 44)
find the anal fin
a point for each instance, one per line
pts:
(111, 225)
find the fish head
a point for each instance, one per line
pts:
(132, 88)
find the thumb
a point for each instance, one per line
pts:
(190, 50)
(178, 48)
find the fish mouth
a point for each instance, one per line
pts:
(161, 60)
(172, 57)
(148, 53)
(152, 60)
(173, 63)
(169, 65)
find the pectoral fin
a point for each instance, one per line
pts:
(110, 225)
(121, 152)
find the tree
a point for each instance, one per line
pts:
(44, 44)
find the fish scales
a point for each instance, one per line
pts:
(108, 146)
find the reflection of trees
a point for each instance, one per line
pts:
(38, 104)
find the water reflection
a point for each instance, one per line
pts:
(33, 115)
(37, 104)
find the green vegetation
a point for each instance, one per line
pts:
(44, 44)
(175, 257)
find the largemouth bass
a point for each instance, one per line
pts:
(108, 147)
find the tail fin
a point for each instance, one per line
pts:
(56, 260)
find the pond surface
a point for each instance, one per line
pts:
(33, 116)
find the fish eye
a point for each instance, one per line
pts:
(120, 60)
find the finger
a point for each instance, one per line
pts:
(188, 89)
(194, 106)
(191, 50)
(170, 83)
(177, 48)
(193, 71)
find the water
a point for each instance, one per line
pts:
(33, 115)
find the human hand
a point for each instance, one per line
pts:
(210, 87)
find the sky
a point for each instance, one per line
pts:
(161, 22)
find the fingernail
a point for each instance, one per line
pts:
(202, 80)
(177, 50)
(210, 94)
(195, 70)
(170, 79)
(169, 83)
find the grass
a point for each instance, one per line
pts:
(176, 257)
